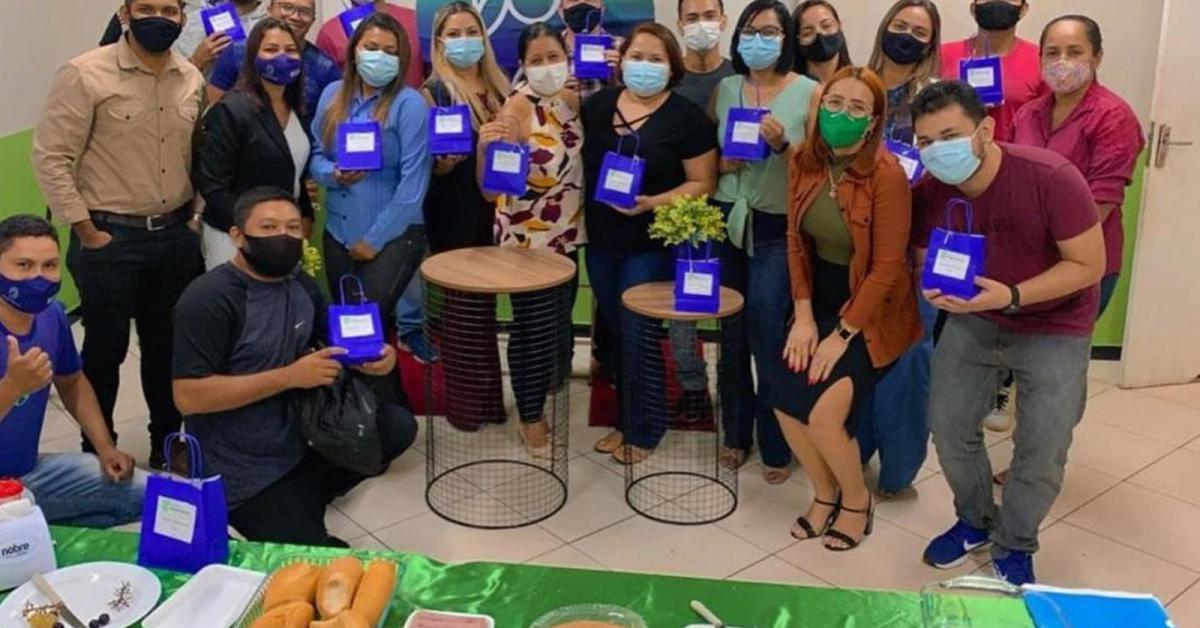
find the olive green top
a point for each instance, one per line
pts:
(825, 224)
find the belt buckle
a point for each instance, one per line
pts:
(151, 225)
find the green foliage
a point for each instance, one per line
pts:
(688, 219)
(311, 261)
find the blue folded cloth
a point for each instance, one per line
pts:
(1052, 607)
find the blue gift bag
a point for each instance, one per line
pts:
(1052, 607)
(620, 180)
(184, 520)
(909, 158)
(505, 168)
(223, 18)
(357, 328)
(954, 258)
(351, 18)
(743, 135)
(450, 131)
(589, 54)
(360, 146)
(697, 279)
(986, 76)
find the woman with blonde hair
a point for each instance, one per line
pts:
(905, 58)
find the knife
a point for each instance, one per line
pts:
(45, 589)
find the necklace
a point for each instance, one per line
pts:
(833, 185)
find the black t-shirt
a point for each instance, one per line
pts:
(227, 323)
(677, 131)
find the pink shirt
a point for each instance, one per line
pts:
(1103, 138)
(1037, 200)
(1022, 72)
(332, 40)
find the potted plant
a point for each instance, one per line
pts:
(691, 225)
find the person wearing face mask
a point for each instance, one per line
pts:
(376, 223)
(1034, 315)
(1020, 62)
(702, 22)
(247, 333)
(333, 40)
(101, 490)
(319, 68)
(821, 46)
(542, 114)
(753, 195)
(254, 136)
(906, 59)
(677, 144)
(855, 308)
(586, 17)
(112, 154)
(203, 49)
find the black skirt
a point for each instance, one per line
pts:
(792, 393)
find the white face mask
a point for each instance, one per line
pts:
(702, 36)
(548, 80)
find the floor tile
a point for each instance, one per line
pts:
(889, 559)
(341, 526)
(1176, 475)
(1073, 557)
(928, 512)
(1187, 394)
(1096, 386)
(1185, 610)
(1080, 486)
(567, 556)
(390, 498)
(435, 537)
(1154, 523)
(1194, 445)
(1113, 451)
(1105, 370)
(58, 424)
(777, 571)
(368, 542)
(641, 545)
(765, 512)
(596, 500)
(1145, 415)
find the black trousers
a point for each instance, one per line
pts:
(137, 277)
(292, 510)
(385, 277)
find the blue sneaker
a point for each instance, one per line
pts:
(1016, 567)
(416, 344)
(951, 548)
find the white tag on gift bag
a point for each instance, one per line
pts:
(175, 519)
(951, 264)
(698, 284)
(508, 162)
(360, 142)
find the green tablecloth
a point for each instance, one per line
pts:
(515, 595)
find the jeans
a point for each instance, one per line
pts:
(1051, 373)
(292, 510)
(138, 276)
(611, 274)
(386, 278)
(71, 490)
(410, 317)
(540, 362)
(895, 420)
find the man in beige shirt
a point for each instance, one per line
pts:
(112, 154)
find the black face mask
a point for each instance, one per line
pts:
(903, 48)
(582, 17)
(273, 256)
(824, 47)
(997, 15)
(155, 34)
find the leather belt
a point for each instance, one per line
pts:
(157, 222)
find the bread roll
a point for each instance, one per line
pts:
(294, 583)
(348, 618)
(374, 593)
(287, 615)
(336, 586)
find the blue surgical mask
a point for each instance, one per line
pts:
(377, 67)
(463, 52)
(951, 161)
(645, 78)
(31, 296)
(758, 52)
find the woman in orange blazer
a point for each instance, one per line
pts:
(856, 310)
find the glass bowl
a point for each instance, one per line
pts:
(615, 615)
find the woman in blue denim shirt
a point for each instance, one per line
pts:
(375, 228)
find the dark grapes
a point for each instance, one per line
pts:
(103, 619)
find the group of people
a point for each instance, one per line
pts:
(141, 147)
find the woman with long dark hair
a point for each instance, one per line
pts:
(821, 46)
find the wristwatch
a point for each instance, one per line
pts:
(843, 333)
(782, 149)
(1015, 305)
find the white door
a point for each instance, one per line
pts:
(1162, 329)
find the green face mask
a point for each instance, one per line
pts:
(841, 129)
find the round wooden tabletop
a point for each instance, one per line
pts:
(657, 300)
(498, 270)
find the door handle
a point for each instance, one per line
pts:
(1163, 146)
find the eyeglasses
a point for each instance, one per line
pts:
(767, 32)
(837, 104)
(287, 8)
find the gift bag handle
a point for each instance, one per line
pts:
(362, 292)
(195, 460)
(968, 210)
(587, 21)
(637, 143)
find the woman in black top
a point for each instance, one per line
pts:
(253, 136)
(677, 144)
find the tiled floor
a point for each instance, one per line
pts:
(1127, 518)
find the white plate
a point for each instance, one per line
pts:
(413, 617)
(217, 593)
(87, 589)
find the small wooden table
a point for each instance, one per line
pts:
(480, 473)
(682, 374)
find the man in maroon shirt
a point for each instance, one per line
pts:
(1034, 314)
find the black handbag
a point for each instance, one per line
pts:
(341, 422)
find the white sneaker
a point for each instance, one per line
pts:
(1003, 417)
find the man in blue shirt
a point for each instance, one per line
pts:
(319, 68)
(100, 490)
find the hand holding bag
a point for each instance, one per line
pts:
(954, 258)
(185, 521)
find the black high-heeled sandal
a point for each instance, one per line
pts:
(831, 533)
(807, 526)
